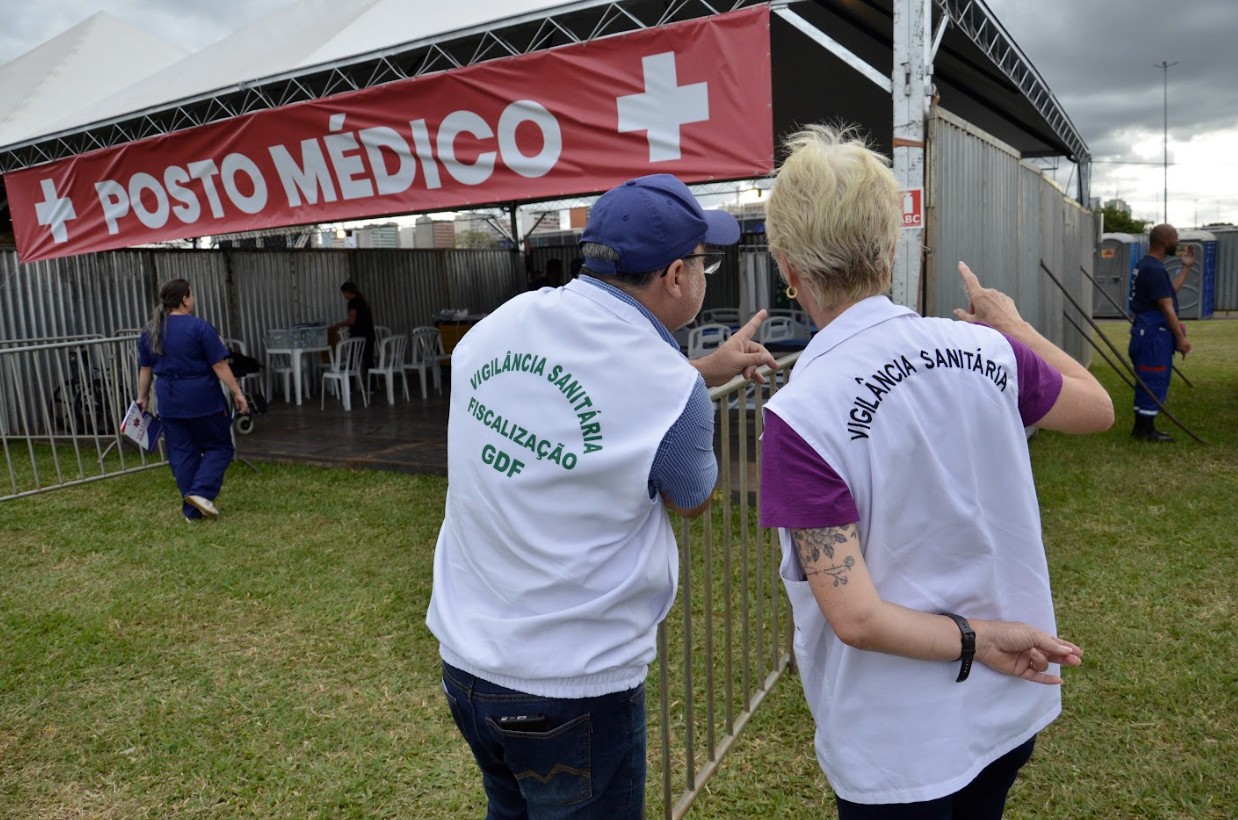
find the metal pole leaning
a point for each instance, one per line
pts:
(1092, 322)
(1114, 302)
(1130, 383)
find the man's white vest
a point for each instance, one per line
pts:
(553, 565)
(920, 418)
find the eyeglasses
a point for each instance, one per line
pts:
(710, 267)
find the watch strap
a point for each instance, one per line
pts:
(969, 645)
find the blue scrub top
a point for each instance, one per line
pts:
(186, 386)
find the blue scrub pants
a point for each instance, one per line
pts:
(1152, 354)
(586, 761)
(199, 452)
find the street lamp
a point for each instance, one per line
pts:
(1165, 65)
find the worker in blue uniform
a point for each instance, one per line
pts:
(191, 362)
(1157, 332)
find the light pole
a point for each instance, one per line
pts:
(1165, 65)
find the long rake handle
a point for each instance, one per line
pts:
(1129, 383)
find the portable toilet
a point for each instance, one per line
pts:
(1197, 297)
(1227, 267)
(1116, 258)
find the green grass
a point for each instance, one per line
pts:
(274, 663)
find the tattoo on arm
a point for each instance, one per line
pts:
(813, 544)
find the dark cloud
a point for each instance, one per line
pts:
(1099, 59)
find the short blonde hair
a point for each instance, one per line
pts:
(834, 213)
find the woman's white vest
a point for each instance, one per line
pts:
(920, 418)
(553, 565)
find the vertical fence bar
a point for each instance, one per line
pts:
(728, 568)
(685, 583)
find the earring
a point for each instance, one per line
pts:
(792, 292)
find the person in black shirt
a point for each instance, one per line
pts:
(1156, 333)
(360, 324)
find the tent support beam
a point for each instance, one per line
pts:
(912, 84)
(834, 47)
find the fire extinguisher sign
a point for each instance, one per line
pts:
(913, 207)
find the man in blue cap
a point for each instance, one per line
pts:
(575, 423)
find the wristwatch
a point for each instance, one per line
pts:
(969, 645)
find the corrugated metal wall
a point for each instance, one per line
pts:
(243, 293)
(1003, 218)
(1227, 268)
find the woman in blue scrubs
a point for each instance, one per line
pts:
(191, 361)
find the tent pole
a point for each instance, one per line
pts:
(518, 275)
(911, 82)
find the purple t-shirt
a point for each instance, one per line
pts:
(810, 495)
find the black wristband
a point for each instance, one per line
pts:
(969, 645)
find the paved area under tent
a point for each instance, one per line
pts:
(408, 436)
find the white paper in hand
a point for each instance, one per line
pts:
(141, 427)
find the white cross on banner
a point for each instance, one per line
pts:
(664, 107)
(570, 121)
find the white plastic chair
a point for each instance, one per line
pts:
(239, 346)
(428, 354)
(802, 324)
(346, 362)
(391, 354)
(776, 329)
(706, 339)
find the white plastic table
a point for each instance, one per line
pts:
(294, 358)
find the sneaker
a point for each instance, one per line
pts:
(202, 505)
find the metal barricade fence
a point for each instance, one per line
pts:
(728, 638)
(61, 403)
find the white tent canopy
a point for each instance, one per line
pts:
(91, 61)
(304, 34)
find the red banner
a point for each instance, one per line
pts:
(690, 99)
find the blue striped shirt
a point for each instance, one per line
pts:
(684, 468)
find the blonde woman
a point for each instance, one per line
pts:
(895, 466)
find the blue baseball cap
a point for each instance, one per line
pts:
(650, 222)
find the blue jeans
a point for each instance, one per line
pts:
(585, 760)
(982, 799)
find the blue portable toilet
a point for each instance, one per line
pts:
(1116, 258)
(1197, 298)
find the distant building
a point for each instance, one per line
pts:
(537, 222)
(1118, 204)
(1094, 203)
(434, 233)
(480, 223)
(378, 236)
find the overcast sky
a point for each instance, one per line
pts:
(1098, 57)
